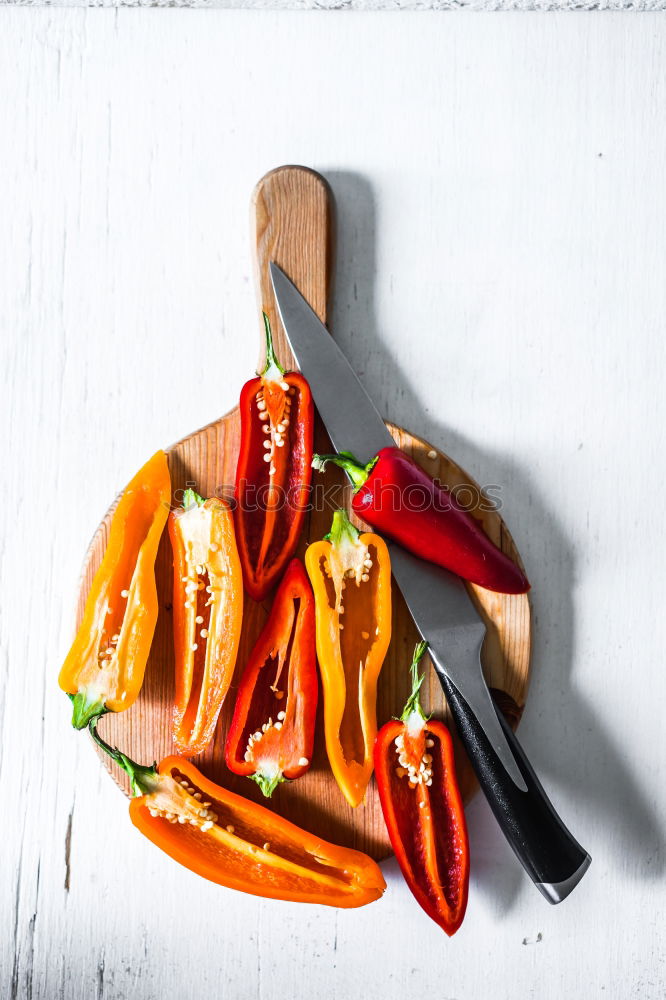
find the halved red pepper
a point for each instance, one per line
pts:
(207, 616)
(240, 844)
(272, 731)
(398, 498)
(274, 471)
(423, 808)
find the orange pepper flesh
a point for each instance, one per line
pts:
(353, 630)
(248, 847)
(207, 618)
(105, 666)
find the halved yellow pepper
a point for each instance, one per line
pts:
(351, 579)
(104, 669)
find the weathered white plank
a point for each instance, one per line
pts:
(370, 5)
(500, 289)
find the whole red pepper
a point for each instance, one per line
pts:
(272, 731)
(423, 809)
(273, 472)
(398, 498)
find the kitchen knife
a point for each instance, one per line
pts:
(446, 618)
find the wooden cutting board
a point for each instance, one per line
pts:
(292, 222)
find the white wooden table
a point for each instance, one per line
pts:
(501, 290)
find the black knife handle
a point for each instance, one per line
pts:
(551, 856)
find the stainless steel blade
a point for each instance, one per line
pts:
(349, 414)
(438, 601)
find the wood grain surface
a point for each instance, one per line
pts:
(292, 219)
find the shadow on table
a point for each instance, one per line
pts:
(564, 738)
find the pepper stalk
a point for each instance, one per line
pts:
(268, 783)
(342, 532)
(273, 370)
(412, 714)
(86, 708)
(357, 472)
(143, 779)
(191, 498)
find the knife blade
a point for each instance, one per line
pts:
(444, 615)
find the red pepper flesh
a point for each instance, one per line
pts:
(273, 472)
(272, 731)
(423, 810)
(399, 499)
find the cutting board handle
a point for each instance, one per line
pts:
(292, 224)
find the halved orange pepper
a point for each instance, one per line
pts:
(207, 616)
(240, 844)
(351, 579)
(104, 669)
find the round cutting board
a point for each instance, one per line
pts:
(292, 225)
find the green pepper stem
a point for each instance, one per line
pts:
(191, 499)
(84, 711)
(345, 460)
(414, 701)
(273, 369)
(342, 530)
(267, 785)
(142, 778)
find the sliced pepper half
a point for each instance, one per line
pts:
(207, 616)
(272, 732)
(240, 844)
(274, 471)
(423, 808)
(104, 669)
(351, 580)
